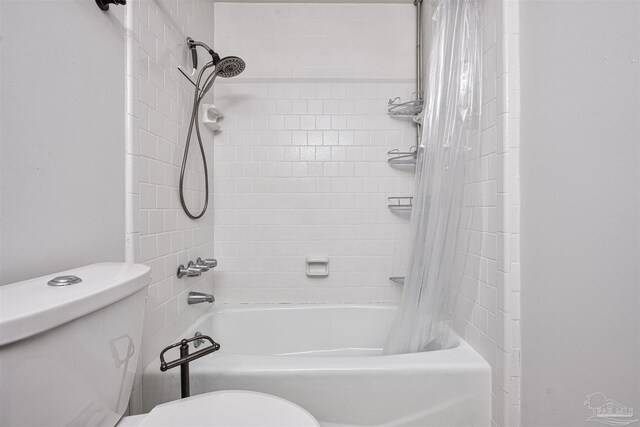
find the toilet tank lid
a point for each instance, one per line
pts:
(32, 306)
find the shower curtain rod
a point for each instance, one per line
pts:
(419, 89)
(419, 86)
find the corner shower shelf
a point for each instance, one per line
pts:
(403, 157)
(398, 280)
(400, 203)
(396, 107)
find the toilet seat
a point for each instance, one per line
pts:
(233, 408)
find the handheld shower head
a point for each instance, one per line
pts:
(227, 67)
(230, 66)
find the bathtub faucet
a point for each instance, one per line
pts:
(198, 297)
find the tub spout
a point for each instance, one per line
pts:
(199, 297)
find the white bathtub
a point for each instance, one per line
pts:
(327, 359)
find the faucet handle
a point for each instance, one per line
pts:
(211, 262)
(203, 266)
(194, 268)
(190, 271)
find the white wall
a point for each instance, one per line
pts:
(580, 207)
(301, 163)
(65, 153)
(62, 136)
(486, 306)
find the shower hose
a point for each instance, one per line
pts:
(197, 99)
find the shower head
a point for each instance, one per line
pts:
(230, 66)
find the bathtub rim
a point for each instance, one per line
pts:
(461, 358)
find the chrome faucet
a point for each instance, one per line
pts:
(199, 297)
(195, 269)
(200, 264)
(190, 270)
(209, 262)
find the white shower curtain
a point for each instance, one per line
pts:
(448, 148)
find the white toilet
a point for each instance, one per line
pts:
(69, 352)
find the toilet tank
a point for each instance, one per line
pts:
(68, 354)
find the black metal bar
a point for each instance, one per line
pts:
(185, 358)
(184, 370)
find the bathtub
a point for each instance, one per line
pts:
(328, 359)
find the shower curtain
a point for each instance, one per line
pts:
(448, 150)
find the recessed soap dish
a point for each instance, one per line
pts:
(317, 266)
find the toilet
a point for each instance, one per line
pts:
(233, 408)
(69, 350)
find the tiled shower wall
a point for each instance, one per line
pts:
(159, 234)
(487, 305)
(301, 165)
(301, 162)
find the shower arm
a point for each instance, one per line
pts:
(194, 44)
